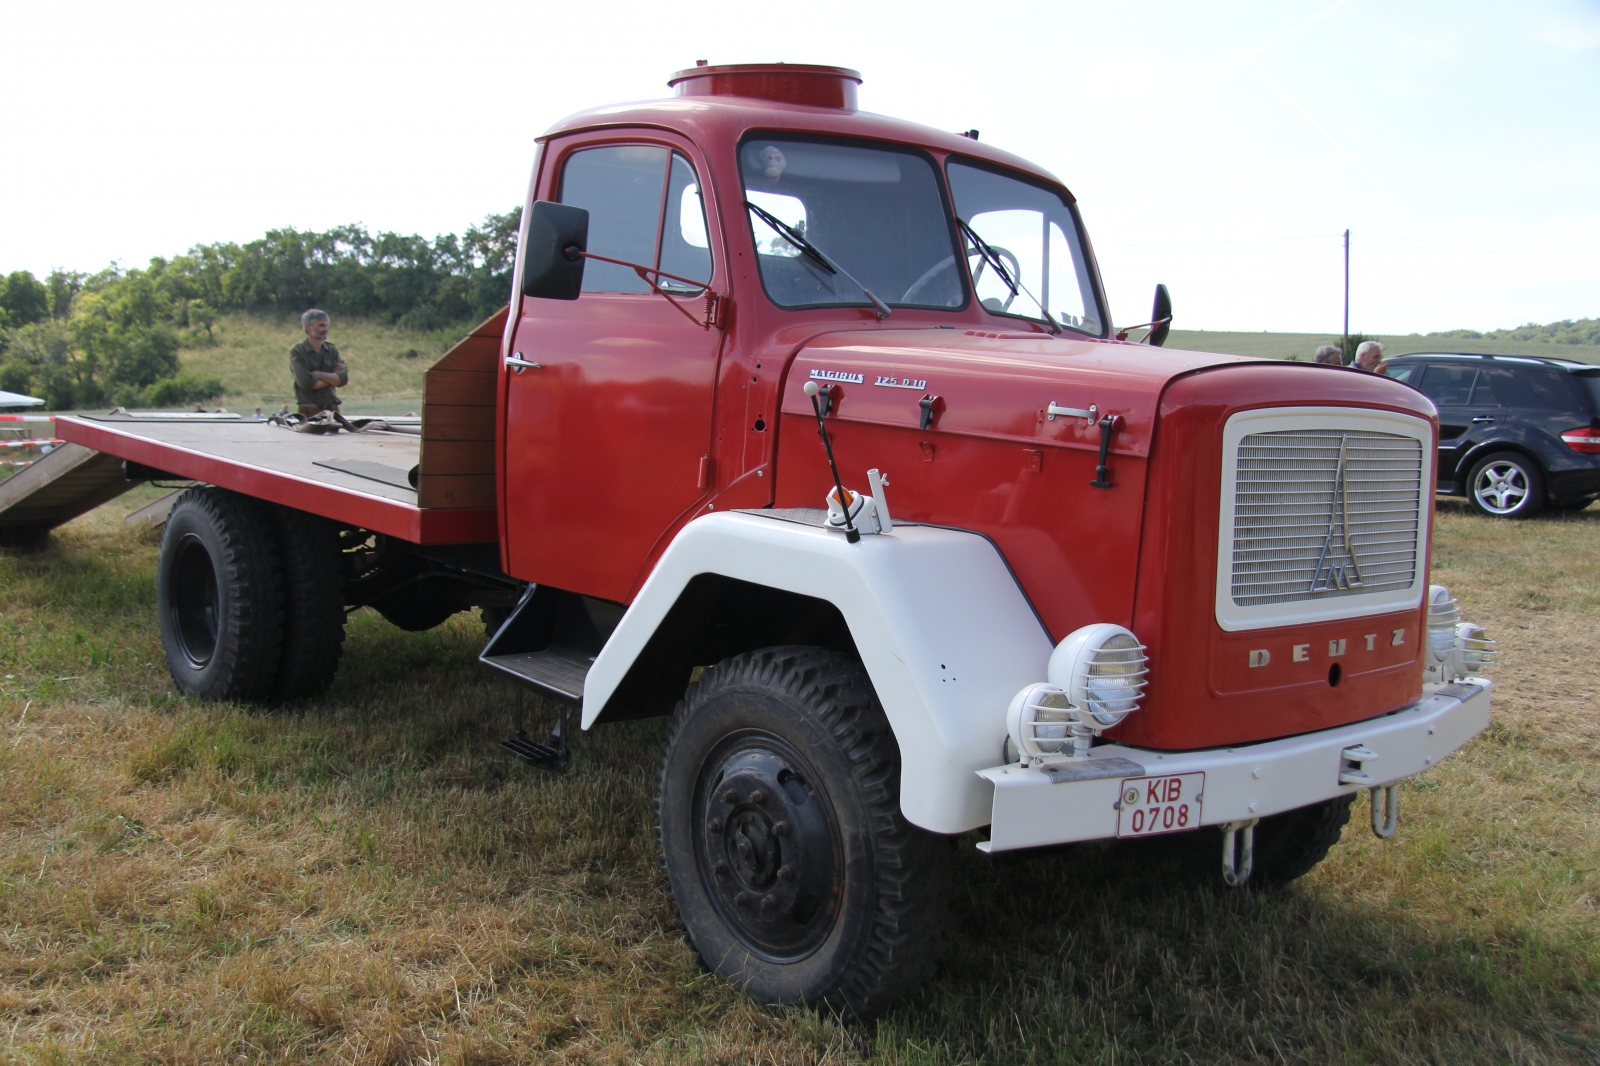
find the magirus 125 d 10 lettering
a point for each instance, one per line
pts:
(810, 429)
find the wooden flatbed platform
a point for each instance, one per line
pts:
(361, 479)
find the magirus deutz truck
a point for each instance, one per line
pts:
(810, 429)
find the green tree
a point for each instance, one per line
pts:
(23, 300)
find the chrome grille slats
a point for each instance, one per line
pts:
(1294, 529)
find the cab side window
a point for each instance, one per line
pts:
(645, 207)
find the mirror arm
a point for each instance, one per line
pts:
(1122, 334)
(713, 312)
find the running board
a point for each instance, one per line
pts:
(557, 672)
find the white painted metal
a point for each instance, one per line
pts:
(1333, 604)
(1035, 807)
(943, 630)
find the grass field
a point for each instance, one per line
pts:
(386, 364)
(251, 356)
(1304, 345)
(365, 879)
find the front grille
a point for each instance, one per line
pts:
(1322, 513)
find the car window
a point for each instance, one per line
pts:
(1402, 372)
(1445, 384)
(1483, 391)
(624, 188)
(1552, 389)
(1591, 384)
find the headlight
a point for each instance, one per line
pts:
(1097, 677)
(1475, 653)
(1443, 614)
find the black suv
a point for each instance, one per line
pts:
(1517, 434)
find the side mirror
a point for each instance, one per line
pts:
(552, 262)
(1160, 318)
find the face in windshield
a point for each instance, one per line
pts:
(1023, 250)
(835, 222)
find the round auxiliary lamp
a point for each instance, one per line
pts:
(1096, 679)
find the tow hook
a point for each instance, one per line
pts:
(1238, 851)
(1385, 811)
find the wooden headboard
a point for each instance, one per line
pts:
(456, 468)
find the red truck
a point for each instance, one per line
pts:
(810, 429)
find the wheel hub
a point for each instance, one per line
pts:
(1501, 487)
(769, 848)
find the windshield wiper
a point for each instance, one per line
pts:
(992, 257)
(989, 254)
(814, 253)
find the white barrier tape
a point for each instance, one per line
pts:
(27, 418)
(51, 441)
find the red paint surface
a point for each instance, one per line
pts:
(608, 439)
(795, 83)
(390, 517)
(1202, 690)
(603, 458)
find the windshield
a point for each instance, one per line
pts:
(870, 222)
(1031, 232)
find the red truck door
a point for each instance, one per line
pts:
(607, 440)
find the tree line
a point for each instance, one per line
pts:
(83, 340)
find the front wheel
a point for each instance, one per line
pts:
(788, 860)
(1506, 485)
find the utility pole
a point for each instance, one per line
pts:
(1344, 341)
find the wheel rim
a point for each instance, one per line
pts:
(767, 845)
(1501, 487)
(193, 603)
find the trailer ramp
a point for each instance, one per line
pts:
(68, 482)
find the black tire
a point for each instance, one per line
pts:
(791, 867)
(1288, 845)
(313, 603)
(219, 597)
(1506, 485)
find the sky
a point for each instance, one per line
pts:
(1221, 149)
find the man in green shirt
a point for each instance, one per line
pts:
(317, 367)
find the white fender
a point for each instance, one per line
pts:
(943, 631)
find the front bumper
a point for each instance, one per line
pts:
(1078, 799)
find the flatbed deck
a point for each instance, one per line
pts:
(361, 479)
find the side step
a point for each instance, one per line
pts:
(557, 672)
(548, 644)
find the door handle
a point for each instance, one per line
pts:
(1484, 418)
(1091, 414)
(519, 364)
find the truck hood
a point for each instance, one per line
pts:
(994, 384)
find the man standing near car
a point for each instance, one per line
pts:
(316, 367)
(1328, 355)
(1369, 357)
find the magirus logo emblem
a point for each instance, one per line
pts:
(1338, 567)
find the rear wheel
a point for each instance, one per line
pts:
(313, 607)
(787, 858)
(219, 597)
(1506, 485)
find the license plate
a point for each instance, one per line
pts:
(1154, 805)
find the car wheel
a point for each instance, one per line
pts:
(219, 597)
(1506, 485)
(791, 867)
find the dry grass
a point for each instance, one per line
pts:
(364, 879)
